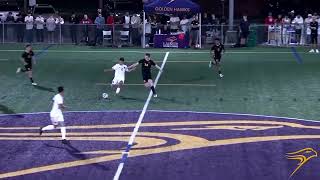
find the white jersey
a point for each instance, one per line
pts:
(120, 71)
(56, 111)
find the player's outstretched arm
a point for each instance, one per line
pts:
(131, 69)
(158, 67)
(133, 66)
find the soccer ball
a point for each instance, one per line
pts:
(105, 95)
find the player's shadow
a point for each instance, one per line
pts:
(170, 100)
(76, 153)
(131, 99)
(42, 88)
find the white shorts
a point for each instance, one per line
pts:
(116, 81)
(57, 119)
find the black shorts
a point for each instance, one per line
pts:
(314, 38)
(146, 77)
(28, 67)
(217, 58)
(244, 34)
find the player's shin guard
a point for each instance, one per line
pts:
(153, 90)
(63, 132)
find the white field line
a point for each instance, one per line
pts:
(137, 126)
(141, 84)
(156, 52)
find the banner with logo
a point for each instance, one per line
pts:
(170, 41)
(172, 7)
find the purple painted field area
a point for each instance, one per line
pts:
(169, 146)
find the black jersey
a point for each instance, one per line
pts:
(218, 49)
(146, 65)
(314, 27)
(27, 57)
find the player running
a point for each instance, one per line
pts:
(314, 35)
(146, 65)
(27, 59)
(56, 115)
(216, 52)
(120, 70)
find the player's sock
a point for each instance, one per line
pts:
(153, 90)
(118, 90)
(63, 132)
(31, 79)
(48, 128)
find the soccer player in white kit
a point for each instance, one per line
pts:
(56, 115)
(120, 70)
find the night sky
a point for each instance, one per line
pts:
(254, 8)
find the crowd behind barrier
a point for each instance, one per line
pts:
(127, 30)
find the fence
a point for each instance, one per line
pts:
(120, 35)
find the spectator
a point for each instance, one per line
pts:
(110, 22)
(298, 23)
(269, 21)
(148, 31)
(126, 22)
(291, 15)
(32, 4)
(154, 27)
(314, 26)
(214, 21)
(39, 28)
(20, 28)
(244, 30)
(307, 21)
(59, 20)
(135, 22)
(100, 22)
(174, 24)
(10, 18)
(286, 22)
(73, 29)
(194, 33)
(29, 27)
(205, 19)
(51, 27)
(184, 23)
(86, 22)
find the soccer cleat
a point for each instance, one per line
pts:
(64, 141)
(221, 75)
(40, 131)
(34, 84)
(118, 91)
(317, 51)
(18, 70)
(311, 51)
(155, 95)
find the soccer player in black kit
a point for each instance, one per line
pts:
(216, 53)
(27, 60)
(314, 35)
(146, 65)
